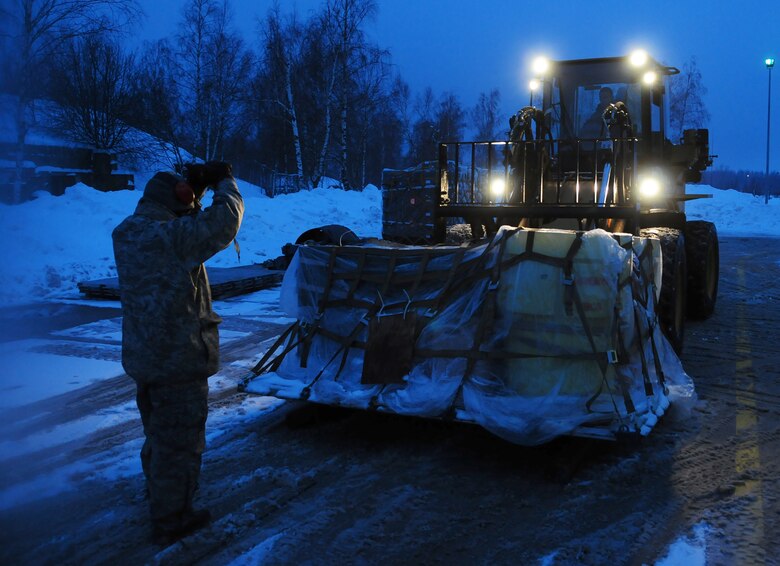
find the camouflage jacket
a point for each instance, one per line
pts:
(169, 332)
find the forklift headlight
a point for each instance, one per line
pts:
(650, 187)
(638, 57)
(540, 65)
(497, 188)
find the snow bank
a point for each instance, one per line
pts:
(735, 213)
(52, 243)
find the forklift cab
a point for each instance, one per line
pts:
(576, 93)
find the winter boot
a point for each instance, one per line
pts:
(166, 532)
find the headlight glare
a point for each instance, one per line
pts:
(540, 65)
(650, 187)
(497, 187)
(638, 57)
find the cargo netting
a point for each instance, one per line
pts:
(533, 335)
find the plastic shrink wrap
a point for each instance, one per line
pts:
(536, 334)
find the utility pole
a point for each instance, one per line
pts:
(769, 62)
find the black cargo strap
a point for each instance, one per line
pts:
(659, 370)
(329, 281)
(378, 305)
(603, 365)
(572, 299)
(642, 357)
(350, 341)
(306, 391)
(360, 266)
(420, 274)
(487, 315)
(608, 357)
(644, 280)
(346, 344)
(431, 305)
(416, 279)
(568, 280)
(306, 346)
(264, 365)
(644, 294)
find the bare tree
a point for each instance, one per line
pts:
(156, 107)
(92, 87)
(327, 97)
(424, 133)
(367, 98)
(450, 117)
(686, 104)
(382, 130)
(212, 63)
(345, 19)
(229, 64)
(484, 115)
(198, 27)
(282, 43)
(39, 29)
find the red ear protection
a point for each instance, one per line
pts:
(184, 193)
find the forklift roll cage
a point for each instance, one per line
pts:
(551, 171)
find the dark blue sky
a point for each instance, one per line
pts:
(468, 47)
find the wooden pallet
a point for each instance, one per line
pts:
(224, 281)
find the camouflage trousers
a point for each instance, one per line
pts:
(174, 420)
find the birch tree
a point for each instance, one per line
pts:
(686, 100)
(198, 27)
(344, 20)
(282, 43)
(229, 64)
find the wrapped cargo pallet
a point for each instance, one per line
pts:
(536, 334)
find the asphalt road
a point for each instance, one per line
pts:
(321, 486)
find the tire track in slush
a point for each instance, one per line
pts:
(747, 457)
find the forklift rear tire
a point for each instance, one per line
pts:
(701, 247)
(332, 234)
(671, 306)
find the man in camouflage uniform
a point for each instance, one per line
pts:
(170, 342)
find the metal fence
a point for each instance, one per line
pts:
(271, 181)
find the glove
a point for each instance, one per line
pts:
(200, 176)
(216, 171)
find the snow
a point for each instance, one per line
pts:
(69, 432)
(735, 213)
(114, 463)
(51, 243)
(688, 550)
(258, 554)
(26, 366)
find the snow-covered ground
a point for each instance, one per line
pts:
(51, 243)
